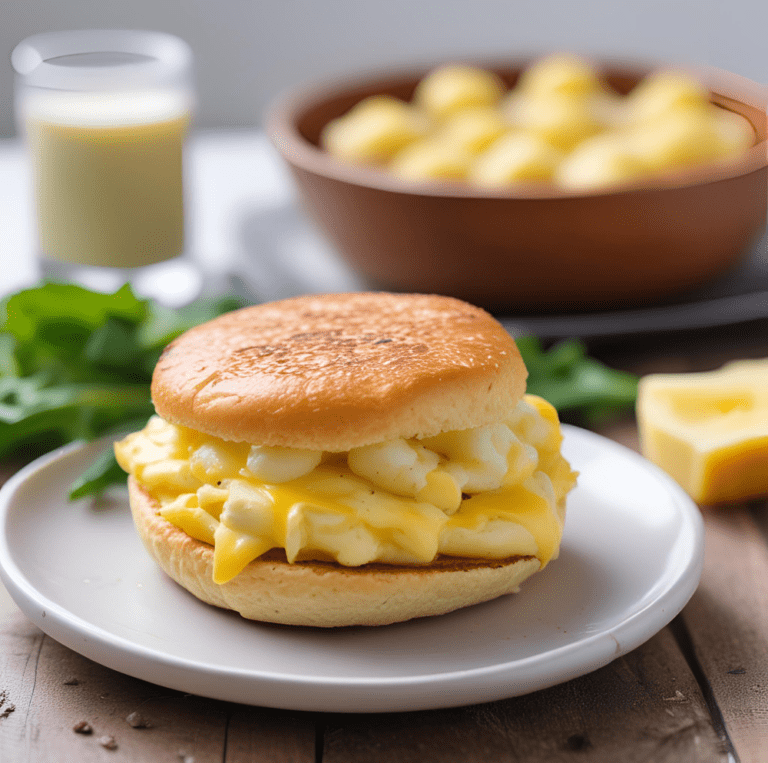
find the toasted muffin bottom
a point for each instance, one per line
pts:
(324, 594)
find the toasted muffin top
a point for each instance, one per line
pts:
(338, 371)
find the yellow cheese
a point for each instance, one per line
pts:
(452, 88)
(492, 492)
(563, 122)
(559, 124)
(522, 505)
(431, 159)
(373, 131)
(473, 130)
(709, 430)
(516, 157)
(600, 162)
(561, 75)
(188, 516)
(665, 91)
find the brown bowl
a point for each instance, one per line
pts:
(529, 248)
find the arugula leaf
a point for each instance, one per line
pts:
(102, 473)
(54, 322)
(163, 324)
(77, 364)
(8, 364)
(576, 384)
(114, 345)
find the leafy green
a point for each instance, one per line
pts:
(576, 384)
(77, 364)
(102, 473)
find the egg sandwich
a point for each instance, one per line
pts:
(347, 459)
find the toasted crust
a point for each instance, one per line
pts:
(338, 371)
(324, 594)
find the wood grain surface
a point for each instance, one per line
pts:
(645, 706)
(53, 689)
(727, 620)
(698, 691)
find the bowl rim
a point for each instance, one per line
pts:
(284, 112)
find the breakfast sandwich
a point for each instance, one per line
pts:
(347, 459)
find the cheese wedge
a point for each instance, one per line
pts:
(709, 430)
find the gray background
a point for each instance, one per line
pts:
(248, 50)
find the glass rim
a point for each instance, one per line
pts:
(159, 59)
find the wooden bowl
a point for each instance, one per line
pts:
(529, 248)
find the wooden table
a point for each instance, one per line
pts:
(697, 691)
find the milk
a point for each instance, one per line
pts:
(107, 171)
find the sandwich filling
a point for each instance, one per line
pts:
(493, 492)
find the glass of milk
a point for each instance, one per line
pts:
(105, 114)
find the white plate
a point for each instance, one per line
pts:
(630, 560)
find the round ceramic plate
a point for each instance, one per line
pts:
(630, 560)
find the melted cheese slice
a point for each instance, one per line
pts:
(492, 492)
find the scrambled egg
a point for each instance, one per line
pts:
(491, 492)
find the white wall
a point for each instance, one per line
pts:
(248, 50)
